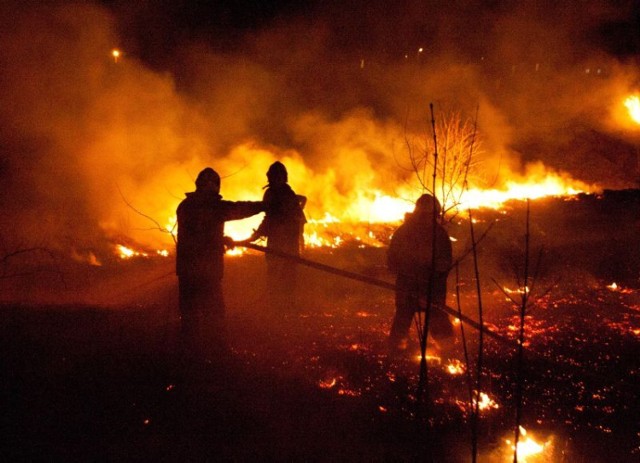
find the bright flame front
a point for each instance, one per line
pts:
(632, 104)
(527, 447)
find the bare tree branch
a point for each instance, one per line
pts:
(154, 221)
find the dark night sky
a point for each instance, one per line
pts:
(154, 28)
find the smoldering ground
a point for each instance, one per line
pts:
(101, 377)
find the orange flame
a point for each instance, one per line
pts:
(127, 253)
(527, 446)
(632, 104)
(550, 185)
(346, 205)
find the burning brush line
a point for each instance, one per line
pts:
(381, 215)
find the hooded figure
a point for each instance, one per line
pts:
(421, 267)
(199, 261)
(283, 227)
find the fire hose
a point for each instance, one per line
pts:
(374, 282)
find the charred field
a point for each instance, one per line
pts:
(90, 371)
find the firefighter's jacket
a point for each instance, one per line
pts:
(201, 218)
(411, 248)
(284, 219)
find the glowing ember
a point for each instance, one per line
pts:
(327, 384)
(363, 314)
(524, 290)
(455, 367)
(632, 104)
(486, 402)
(614, 287)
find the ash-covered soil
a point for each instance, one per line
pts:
(94, 375)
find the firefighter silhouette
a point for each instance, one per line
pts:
(421, 267)
(283, 227)
(200, 260)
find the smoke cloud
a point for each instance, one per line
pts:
(98, 150)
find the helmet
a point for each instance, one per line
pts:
(207, 175)
(277, 171)
(425, 204)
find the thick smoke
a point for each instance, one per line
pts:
(97, 150)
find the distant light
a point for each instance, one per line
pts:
(116, 54)
(420, 50)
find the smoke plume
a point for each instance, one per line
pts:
(98, 149)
